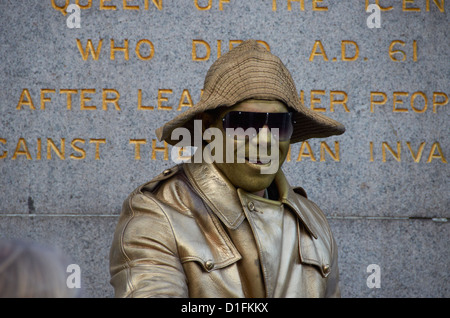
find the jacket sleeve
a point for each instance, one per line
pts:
(143, 259)
(333, 289)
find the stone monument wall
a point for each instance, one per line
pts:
(83, 88)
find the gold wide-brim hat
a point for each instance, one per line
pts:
(250, 71)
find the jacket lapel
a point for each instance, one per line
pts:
(217, 192)
(314, 243)
(222, 198)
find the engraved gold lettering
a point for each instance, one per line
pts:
(289, 5)
(86, 6)
(112, 100)
(127, 6)
(392, 51)
(416, 157)
(78, 149)
(199, 7)
(434, 147)
(396, 155)
(378, 4)
(314, 53)
(164, 149)
(39, 149)
(90, 48)
(344, 45)
(439, 4)
(397, 101)
(221, 2)
(334, 101)
(95, 52)
(59, 152)
(405, 8)
(437, 103)
(234, 43)
(103, 6)
(25, 100)
(107, 5)
(84, 99)
(324, 147)
(21, 149)
(219, 48)
(195, 57)
(336, 98)
(181, 155)
(264, 43)
(413, 98)
(316, 7)
(69, 93)
(162, 99)
(4, 153)
(97, 146)
(138, 49)
(53, 149)
(402, 53)
(140, 106)
(123, 49)
(314, 100)
(198, 44)
(302, 154)
(371, 151)
(137, 147)
(61, 9)
(157, 3)
(185, 96)
(45, 99)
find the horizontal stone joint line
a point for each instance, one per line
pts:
(438, 219)
(425, 218)
(31, 215)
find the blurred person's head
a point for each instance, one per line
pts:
(30, 270)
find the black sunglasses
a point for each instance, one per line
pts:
(282, 121)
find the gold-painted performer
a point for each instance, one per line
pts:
(225, 228)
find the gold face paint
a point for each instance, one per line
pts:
(248, 175)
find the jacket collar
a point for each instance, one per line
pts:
(223, 199)
(216, 191)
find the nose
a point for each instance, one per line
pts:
(264, 135)
(262, 139)
(264, 145)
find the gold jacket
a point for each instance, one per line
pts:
(190, 233)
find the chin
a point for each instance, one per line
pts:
(246, 177)
(255, 183)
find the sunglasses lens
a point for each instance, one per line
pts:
(246, 120)
(282, 121)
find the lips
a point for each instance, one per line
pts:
(259, 161)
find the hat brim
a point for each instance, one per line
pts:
(307, 124)
(250, 71)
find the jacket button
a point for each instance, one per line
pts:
(166, 172)
(326, 268)
(251, 206)
(209, 265)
